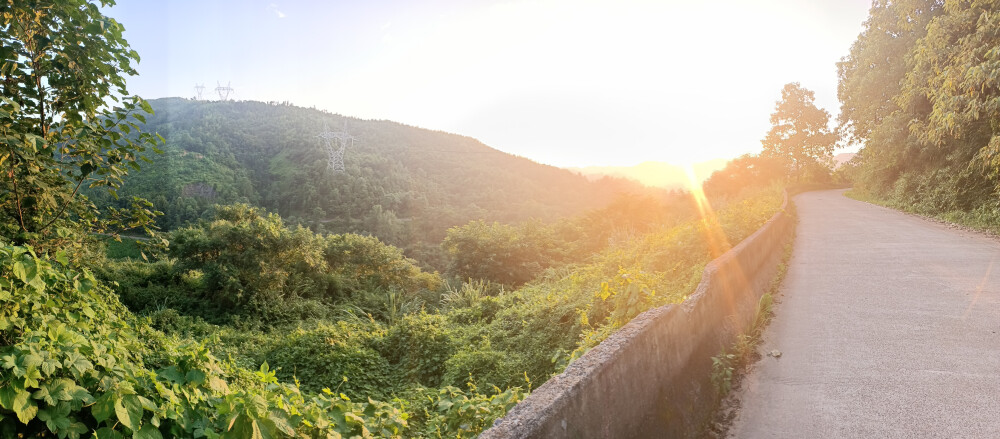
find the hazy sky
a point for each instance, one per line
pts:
(569, 83)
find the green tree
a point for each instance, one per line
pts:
(921, 80)
(248, 258)
(365, 262)
(872, 74)
(746, 171)
(955, 71)
(510, 255)
(65, 120)
(799, 133)
(871, 84)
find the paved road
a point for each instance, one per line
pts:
(888, 328)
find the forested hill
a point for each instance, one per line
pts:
(403, 184)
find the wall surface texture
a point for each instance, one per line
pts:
(652, 378)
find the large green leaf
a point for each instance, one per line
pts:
(24, 407)
(104, 407)
(129, 411)
(148, 432)
(244, 428)
(7, 394)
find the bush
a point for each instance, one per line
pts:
(481, 366)
(509, 255)
(339, 357)
(146, 286)
(449, 412)
(76, 363)
(418, 346)
(366, 264)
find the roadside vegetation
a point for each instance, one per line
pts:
(919, 91)
(984, 218)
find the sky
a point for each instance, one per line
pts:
(562, 82)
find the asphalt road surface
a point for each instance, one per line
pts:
(887, 328)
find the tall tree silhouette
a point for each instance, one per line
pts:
(799, 133)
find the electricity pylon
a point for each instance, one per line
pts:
(223, 91)
(335, 143)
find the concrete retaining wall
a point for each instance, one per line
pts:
(652, 377)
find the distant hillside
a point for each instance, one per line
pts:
(405, 185)
(842, 158)
(656, 174)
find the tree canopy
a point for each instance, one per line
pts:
(799, 135)
(65, 119)
(919, 89)
(872, 74)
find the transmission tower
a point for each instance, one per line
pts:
(199, 90)
(223, 91)
(335, 143)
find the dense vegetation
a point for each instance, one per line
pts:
(919, 90)
(439, 366)
(236, 323)
(403, 184)
(797, 149)
(379, 335)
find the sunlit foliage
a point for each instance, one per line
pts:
(65, 122)
(919, 89)
(402, 184)
(240, 325)
(800, 137)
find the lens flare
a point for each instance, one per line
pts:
(714, 235)
(979, 289)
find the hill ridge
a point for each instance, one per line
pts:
(403, 184)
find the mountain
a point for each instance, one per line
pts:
(403, 184)
(656, 174)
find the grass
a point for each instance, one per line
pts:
(743, 352)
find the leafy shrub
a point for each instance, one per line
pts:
(482, 311)
(482, 365)
(73, 361)
(365, 263)
(245, 256)
(122, 249)
(172, 322)
(418, 346)
(469, 294)
(145, 286)
(509, 255)
(449, 412)
(334, 356)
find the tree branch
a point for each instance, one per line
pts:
(17, 195)
(63, 209)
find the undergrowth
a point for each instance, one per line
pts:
(984, 218)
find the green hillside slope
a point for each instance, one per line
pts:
(405, 185)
